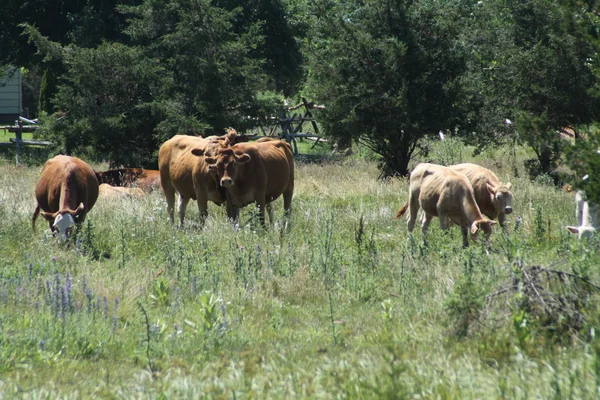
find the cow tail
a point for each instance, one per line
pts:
(35, 215)
(401, 211)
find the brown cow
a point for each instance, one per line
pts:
(145, 179)
(66, 190)
(188, 175)
(493, 197)
(108, 191)
(255, 172)
(448, 195)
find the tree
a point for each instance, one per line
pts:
(185, 71)
(85, 23)
(584, 159)
(211, 74)
(533, 64)
(104, 105)
(388, 73)
(280, 50)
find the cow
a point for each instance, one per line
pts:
(188, 174)
(108, 191)
(256, 172)
(493, 197)
(587, 217)
(448, 195)
(145, 179)
(66, 191)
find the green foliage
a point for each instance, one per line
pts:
(47, 90)
(280, 49)
(107, 116)
(584, 159)
(534, 62)
(161, 293)
(388, 73)
(210, 73)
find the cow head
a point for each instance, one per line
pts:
(224, 164)
(502, 197)
(484, 225)
(63, 221)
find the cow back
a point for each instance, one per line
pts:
(480, 178)
(65, 182)
(441, 188)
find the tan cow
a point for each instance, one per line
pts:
(145, 179)
(66, 191)
(257, 172)
(187, 174)
(112, 192)
(493, 197)
(448, 195)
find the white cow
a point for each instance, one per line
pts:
(587, 217)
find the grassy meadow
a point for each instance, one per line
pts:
(346, 304)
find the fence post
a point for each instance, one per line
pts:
(18, 139)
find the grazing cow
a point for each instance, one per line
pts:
(493, 197)
(108, 191)
(145, 179)
(187, 174)
(66, 190)
(255, 172)
(448, 195)
(587, 217)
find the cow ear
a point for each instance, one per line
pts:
(474, 228)
(491, 189)
(242, 159)
(573, 229)
(212, 167)
(210, 160)
(508, 185)
(198, 152)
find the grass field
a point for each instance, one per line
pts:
(346, 304)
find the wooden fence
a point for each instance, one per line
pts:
(289, 125)
(18, 128)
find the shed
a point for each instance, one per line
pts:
(11, 94)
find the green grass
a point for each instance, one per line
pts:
(5, 135)
(334, 307)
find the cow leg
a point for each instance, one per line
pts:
(170, 196)
(271, 213)
(425, 220)
(501, 218)
(413, 204)
(287, 200)
(232, 212)
(183, 202)
(202, 199)
(261, 203)
(444, 221)
(465, 235)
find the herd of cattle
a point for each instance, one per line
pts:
(230, 170)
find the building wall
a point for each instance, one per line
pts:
(11, 96)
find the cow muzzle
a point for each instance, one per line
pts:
(507, 210)
(226, 182)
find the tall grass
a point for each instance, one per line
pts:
(344, 304)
